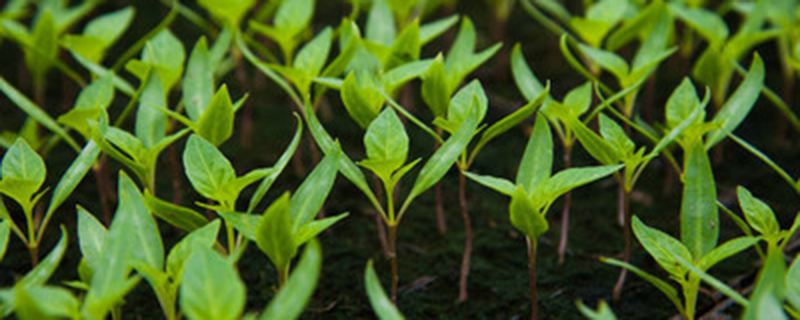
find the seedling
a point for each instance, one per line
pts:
(535, 189)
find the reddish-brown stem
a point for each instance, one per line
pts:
(393, 260)
(532, 277)
(379, 220)
(33, 249)
(246, 123)
(441, 221)
(562, 244)
(465, 261)
(104, 187)
(175, 163)
(626, 253)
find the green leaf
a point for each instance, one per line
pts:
(198, 83)
(151, 122)
(265, 184)
(36, 113)
(598, 148)
(579, 99)
(44, 45)
(246, 224)
(707, 23)
(661, 285)
(167, 55)
(603, 311)
(216, 123)
(310, 196)
(381, 305)
(727, 249)
(537, 161)
(142, 233)
(497, 184)
(739, 104)
(444, 158)
(699, 215)
(607, 60)
(792, 281)
(386, 142)
(766, 302)
(435, 88)
(662, 247)
(228, 12)
(615, 135)
(525, 216)
(758, 214)
(45, 302)
(362, 98)
(564, 181)
(406, 48)
(295, 294)
(526, 81)
(204, 237)
(682, 103)
(181, 217)
(294, 16)
(311, 58)
(432, 30)
(511, 121)
(462, 103)
(5, 231)
(23, 173)
(91, 237)
(110, 26)
(206, 167)
(400, 75)
(275, 236)
(380, 24)
(210, 287)
(310, 230)
(73, 176)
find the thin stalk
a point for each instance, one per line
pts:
(532, 276)
(33, 247)
(626, 253)
(379, 218)
(175, 163)
(104, 187)
(562, 244)
(231, 237)
(465, 261)
(283, 275)
(690, 291)
(393, 259)
(246, 121)
(441, 222)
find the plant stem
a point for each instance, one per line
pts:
(532, 276)
(562, 244)
(104, 187)
(393, 259)
(33, 249)
(246, 123)
(441, 222)
(465, 262)
(283, 275)
(626, 253)
(690, 290)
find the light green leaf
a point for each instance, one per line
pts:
(361, 97)
(462, 103)
(290, 301)
(39, 275)
(662, 247)
(181, 217)
(661, 285)
(246, 224)
(227, 11)
(91, 237)
(400, 75)
(73, 176)
(537, 161)
(5, 231)
(792, 281)
(44, 45)
(294, 16)
(564, 181)
(35, 112)
(310, 196)
(198, 83)
(432, 30)
(525, 216)
(142, 231)
(386, 141)
(45, 302)
(614, 134)
(23, 173)
(110, 26)
(380, 24)
(607, 60)
(381, 305)
(707, 23)
(526, 81)
(203, 237)
(739, 104)
(579, 99)
(151, 122)
(766, 302)
(310, 230)
(758, 214)
(603, 311)
(435, 88)
(681, 103)
(311, 58)
(699, 215)
(166, 53)
(206, 167)
(511, 121)
(210, 287)
(406, 48)
(274, 235)
(598, 148)
(265, 184)
(216, 123)
(497, 184)
(727, 249)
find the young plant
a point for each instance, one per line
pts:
(535, 189)
(23, 174)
